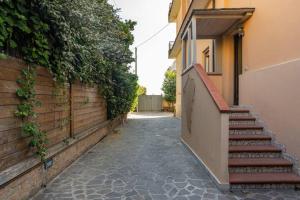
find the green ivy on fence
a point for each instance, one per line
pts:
(76, 40)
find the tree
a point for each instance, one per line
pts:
(140, 90)
(169, 87)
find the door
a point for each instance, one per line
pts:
(238, 66)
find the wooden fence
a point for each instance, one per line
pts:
(65, 112)
(150, 103)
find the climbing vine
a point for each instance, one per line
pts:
(25, 111)
(81, 40)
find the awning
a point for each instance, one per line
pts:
(216, 22)
(212, 23)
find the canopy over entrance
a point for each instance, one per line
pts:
(211, 23)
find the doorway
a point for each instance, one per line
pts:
(238, 66)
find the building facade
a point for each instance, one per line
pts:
(232, 54)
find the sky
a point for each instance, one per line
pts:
(151, 16)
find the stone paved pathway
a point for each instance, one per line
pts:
(145, 161)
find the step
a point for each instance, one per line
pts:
(245, 127)
(258, 162)
(260, 165)
(239, 111)
(242, 118)
(254, 151)
(257, 148)
(249, 137)
(264, 178)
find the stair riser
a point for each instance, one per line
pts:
(242, 122)
(260, 169)
(263, 186)
(240, 115)
(255, 155)
(249, 142)
(247, 131)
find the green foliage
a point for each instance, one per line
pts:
(25, 111)
(140, 90)
(38, 138)
(76, 40)
(169, 86)
(22, 32)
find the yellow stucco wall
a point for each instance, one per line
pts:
(178, 84)
(201, 46)
(271, 53)
(204, 128)
(271, 34)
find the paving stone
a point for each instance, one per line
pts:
(167, 187)
(131, 193)
(145, 161)
(180, 185)
(81, 196)
(190, 187)
(113, 195)
(159, 197)
(194, 197)
(97, 180)
(94, 196)
(196, 183)
(209, 195)
(180, 198)
(104, 191)
(173, 192)
(183, 192)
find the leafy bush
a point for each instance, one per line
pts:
(169, 87)
(79, 39)
(140, 90)
(76, 40)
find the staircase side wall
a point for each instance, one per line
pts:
(204, 128)
(274, 94)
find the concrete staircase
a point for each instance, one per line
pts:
(254, 161)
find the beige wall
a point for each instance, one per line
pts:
(217, 80)
(201, 46)
(271, 37)
(271, 34)
(274, 93)
(178, 84)
(227, 68)
(209, 128)
(179, 20)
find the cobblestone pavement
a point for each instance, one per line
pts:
(145, 160)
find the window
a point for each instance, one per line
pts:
(206, 59)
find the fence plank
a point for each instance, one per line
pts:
(64, 112)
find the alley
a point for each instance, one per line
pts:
(144, 159)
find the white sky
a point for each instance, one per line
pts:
(151, 16)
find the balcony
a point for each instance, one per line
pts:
(173, 10)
